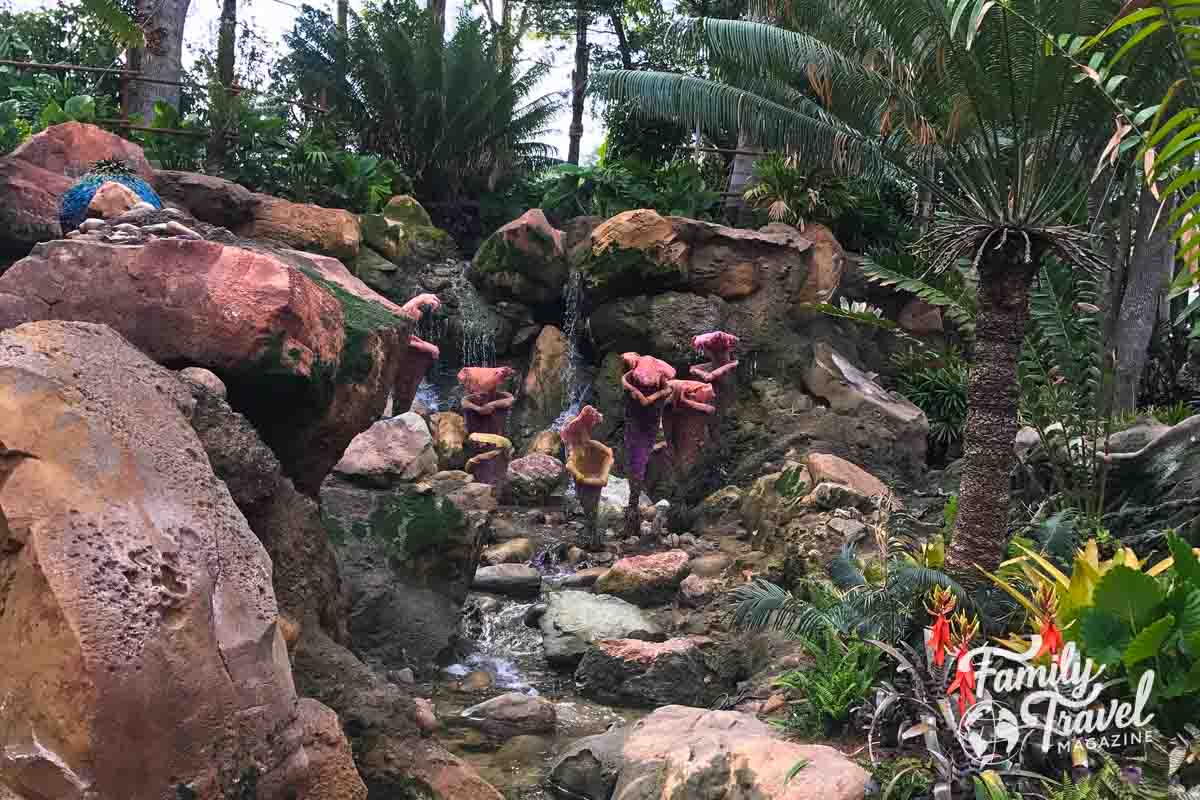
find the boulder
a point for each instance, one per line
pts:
(73, 147)
(635, 252)
(111, 200)
(517, 580)
(408, 556)
(583, 578)
(29, 213)
(724, 754)
(645, 580)
(205, 378)
(532, 479)
(1156, 487)
(919, 318)
(663, 324)
(826, 262)
(545, 388)
(589, 767)
(523, 261)
(391, 450)
(387, 728)
(874, 425)
(573, 620)
(713, 565)
(547, 443)
(327, 231)
(133, 585)
(206, 197)
(1144, 431)
(404, 235)
(512, 714)
(696, 592)
(632, 672)
(514, 551)
(823, 468)
(450, 439)
(307, 351)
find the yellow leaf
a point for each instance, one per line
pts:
(1051, 570)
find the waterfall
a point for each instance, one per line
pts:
(478, 324)
(576, 378)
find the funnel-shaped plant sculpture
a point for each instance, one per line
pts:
(589, 462)
(489, 460)
(647, 388)
(719, 370)
(419, 357)
(685, 422)
(485, 407)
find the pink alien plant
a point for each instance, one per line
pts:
(420, 356)
(589, 463)
(489, 462)
(485, 407)
(646, 385)
(686, 420)
(719, 370)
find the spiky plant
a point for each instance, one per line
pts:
(962, 98)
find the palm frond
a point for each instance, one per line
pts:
(962, 317)
(117, 22)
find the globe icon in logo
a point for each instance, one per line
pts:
(989, 732)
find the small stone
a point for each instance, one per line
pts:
(111, 200)
(205, 378)
(427, 720)
(477, 681)
(93, 224)
(126, 227)
(405, 676)
(516, 580)
(512, 714)
(182, 231)
(575, 555)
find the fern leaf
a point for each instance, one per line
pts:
(116, 21)
(954, 311)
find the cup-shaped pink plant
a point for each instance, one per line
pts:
(685, 422)
(589, 462)
(718, 347)
(485, 407)
(418, 358)
(646, 385)
(489, 462)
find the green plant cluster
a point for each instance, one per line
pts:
(410, 524)
(677, 188)
(838, 680)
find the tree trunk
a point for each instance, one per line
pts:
(993, 396)
(162, 57)
(578, 81)
(437, 15)
(222, 101)
(1147, 283)
(622, 40)
(740, 176)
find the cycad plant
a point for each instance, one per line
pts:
(447, 112)
(965, 100)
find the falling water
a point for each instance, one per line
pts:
(478, 323)
(506, 648)
(576, 378)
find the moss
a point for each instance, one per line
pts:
(361, 318)
(617, 269)
(410, 524)
(497, 255)
(405, 209)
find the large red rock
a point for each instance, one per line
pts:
(308, 352)
(29, 213)
(142, 645)
(328, 231)
(73, 147)
(524, 261)
(647, 579)
(825, 468)
(631, 672)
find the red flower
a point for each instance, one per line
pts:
(964, 682)
(1052, 639)
(940, 639)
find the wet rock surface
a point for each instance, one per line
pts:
(573, 620)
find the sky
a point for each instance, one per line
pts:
(272, 18)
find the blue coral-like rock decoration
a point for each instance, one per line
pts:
(75, 201)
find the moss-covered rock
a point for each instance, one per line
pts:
(636, 252)
(404, 234)
(522, 261)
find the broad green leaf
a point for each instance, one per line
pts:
(1102, 636)
(1147, 643)
(81, 108)
(1145, 114)
(1130, 595)
(1187, 565)
(52, 114)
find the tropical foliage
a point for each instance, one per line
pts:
(840, 679)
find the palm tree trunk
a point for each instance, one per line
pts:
(740, 176)
(579, 79)
(1146, 286)
(993, 396)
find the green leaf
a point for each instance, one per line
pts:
(1186, 566)
(1102, 637)
(81, 108)
(795, 770)
(1147, 643)
(52, 114)
(1132, 596)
